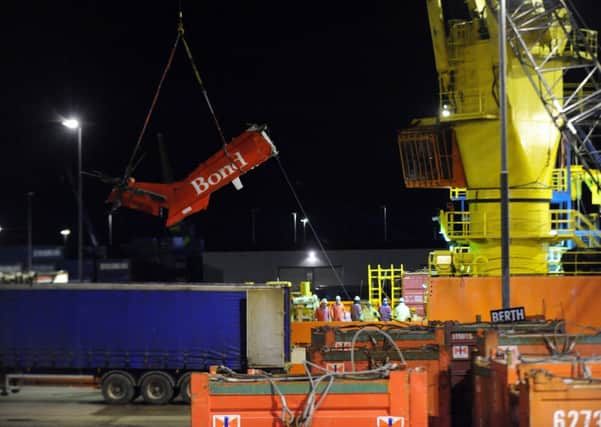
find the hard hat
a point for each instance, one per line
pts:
(337, 297)
(357, 298)
(323, 300)
(401, 299)
(385, 300)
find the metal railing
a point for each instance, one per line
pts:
(466, 102)
(564, 224)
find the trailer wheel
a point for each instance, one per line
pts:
(184, 389)
(118, 389)
(156, 389)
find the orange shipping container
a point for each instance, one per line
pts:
(399, 401)
(548, 400)
(495, 400)
(538, 347)
(331, 349)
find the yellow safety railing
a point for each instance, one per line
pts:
(456, 193)
(457, 225)
(461, 33)
(458, 261)
(560, 261)
(464, 103)
(588, 177)
(440, 263)
(564, 225)
(584, 44)
(385, 282)
(574, 225)
(559, 180)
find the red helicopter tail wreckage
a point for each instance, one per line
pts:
(181, 199)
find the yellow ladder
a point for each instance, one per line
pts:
(385, 282)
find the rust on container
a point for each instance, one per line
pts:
(491, 397)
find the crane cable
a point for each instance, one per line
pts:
(317, 239)
(180, 30)
(132, 164)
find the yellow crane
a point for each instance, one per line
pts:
(553, 84)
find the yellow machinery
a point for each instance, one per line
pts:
(554, 106)
(304, 303)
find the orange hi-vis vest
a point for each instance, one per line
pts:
(322, 315)
(338, 312)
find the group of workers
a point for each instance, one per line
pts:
(385, 313)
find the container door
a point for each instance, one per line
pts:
(265, 343)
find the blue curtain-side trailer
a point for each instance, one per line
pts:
(141, 339)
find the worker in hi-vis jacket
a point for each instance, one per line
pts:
(356, 309)
(385, 311)
(338, 310)
(402, 313)
(322, 313)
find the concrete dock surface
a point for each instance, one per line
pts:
(70, 406)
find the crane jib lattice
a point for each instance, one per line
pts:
(553, 46)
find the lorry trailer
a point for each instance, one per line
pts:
(141, 339)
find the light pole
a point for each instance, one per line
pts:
(253, 225)
(304, 221)
(385, 222)
(110, 225)
(74, 124)
(29, 232)
(294, 228)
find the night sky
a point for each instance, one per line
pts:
(334, 82)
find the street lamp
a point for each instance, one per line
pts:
(75, 125)
(65, 233)
(294, 228)
(304, 221)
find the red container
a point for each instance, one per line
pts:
(491, 399)
(415, 288)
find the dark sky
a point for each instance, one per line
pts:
(334, 81)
